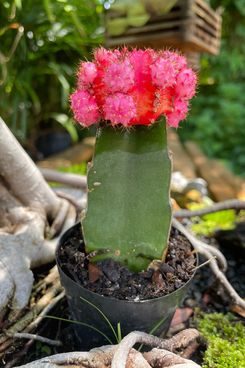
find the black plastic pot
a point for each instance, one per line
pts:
(132, 315)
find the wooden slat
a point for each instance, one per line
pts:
(150, 28)
(183, 9)
(209, 11)
(214, 32)
(222, 183)
(157, 26)
(159, 40)
(202, 37)
(181, 39)
(190, 25)
(165, 38)
(199, 13)
(202, 46)
(173, 15)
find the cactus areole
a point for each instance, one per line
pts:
(133, 96)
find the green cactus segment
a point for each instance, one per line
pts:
(129, 212)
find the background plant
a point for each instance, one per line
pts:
(41, 42)
(218, 115)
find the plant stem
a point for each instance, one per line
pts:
(129, 211)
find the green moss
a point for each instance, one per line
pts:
(221, 220)
(206, 226)
(225, 339)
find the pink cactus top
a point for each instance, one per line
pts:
(133, 88)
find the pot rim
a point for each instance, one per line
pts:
(145, 301)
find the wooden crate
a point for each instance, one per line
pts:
(190, 26)
(193, 59)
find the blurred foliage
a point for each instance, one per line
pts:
(41, 42)
(134, 14)
(225, 339)
(80, 169)
(224, 220)
(217, 117)
(208, 224)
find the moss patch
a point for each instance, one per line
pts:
(222, 220)
(225, 339)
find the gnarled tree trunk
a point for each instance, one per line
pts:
(29, 211)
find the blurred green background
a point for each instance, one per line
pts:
(42, 41)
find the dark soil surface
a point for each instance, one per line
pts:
(110, 278)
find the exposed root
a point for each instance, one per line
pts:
(45, 311)
(216, 253)
(79, 206)
(233, 204)
(182, 339)
(45, 340)
(18, 356)
(33, 317)
(59, 220)
(110, 356)
(52, 277)
(72, 180)
(202, 248)
(163, 358)
(190, 349)
(99, 358)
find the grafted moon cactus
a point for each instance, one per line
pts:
(133, 95)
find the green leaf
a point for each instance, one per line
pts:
(103, 316)
(82, 324)
(48, 8)
(67, 123)
(18, 3)
(129, 212)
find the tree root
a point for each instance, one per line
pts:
(232, 204)
(59, 220)
(79, 206)
(18, 356)
(29, 209)
(202, 248)
(52, 277)
(29, 336)
(182, 339)
(164, 358)
(31, 319)
(216, 253)
(72, 180)
(123, 356)
(190, 349)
